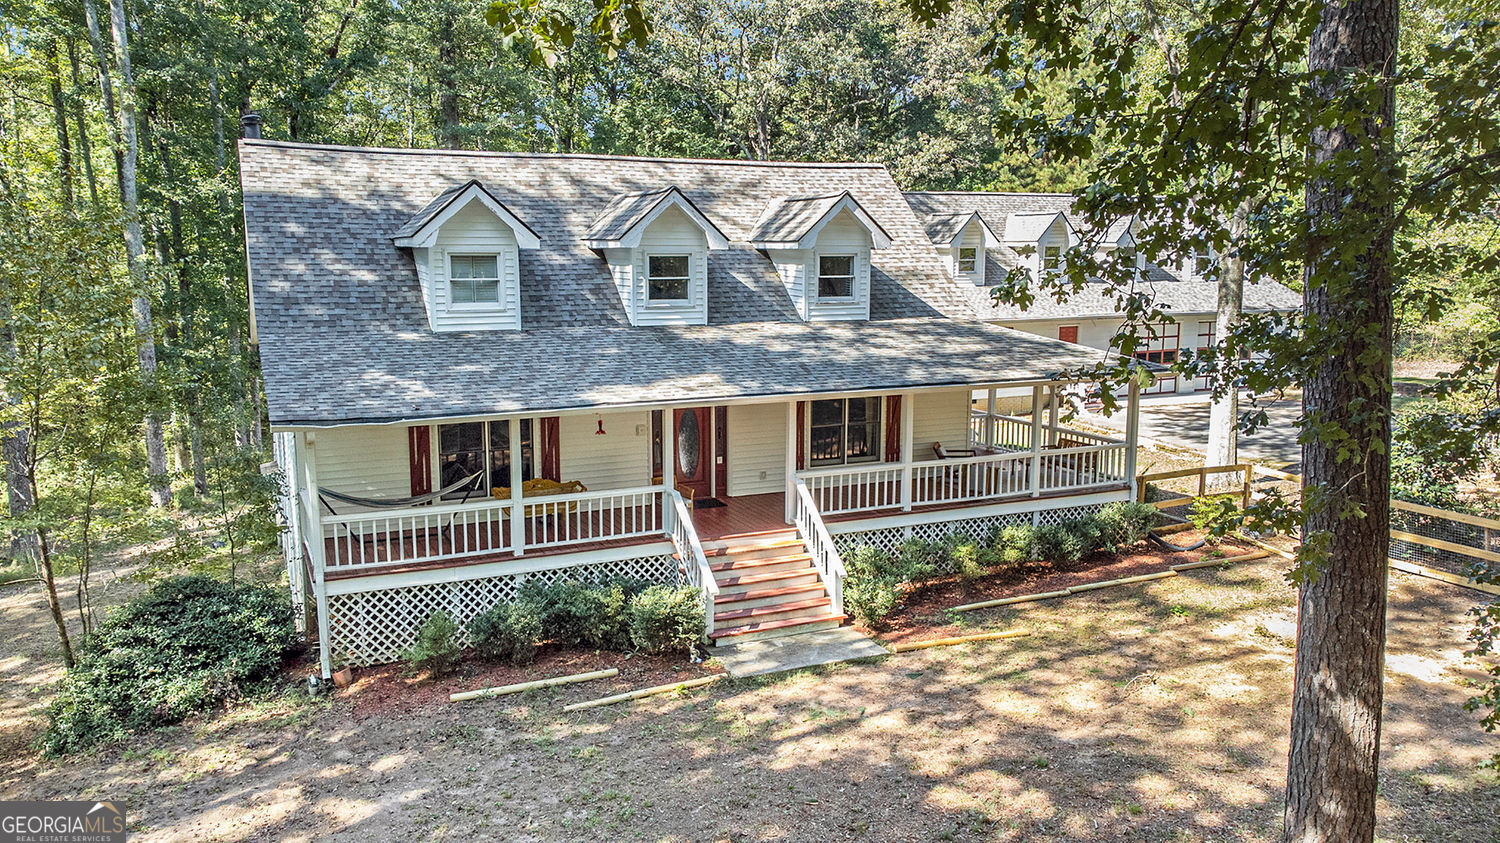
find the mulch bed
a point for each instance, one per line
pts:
(923, 614)
(386, 691)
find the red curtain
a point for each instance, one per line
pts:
(893, 428)
(801, 435)
(551, 449)
(419, 449)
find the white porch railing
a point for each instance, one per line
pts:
(854, 488)
(1013, 433)
(378, 539)
(820, 546)
(1074, 468)
(690, 557)
(971, 478)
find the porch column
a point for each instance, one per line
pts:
(517, 509)
(908, 418)
(668, 439)
(1052, 403)
(1133, 436)
(316, 549)
(791, 457)
(1035, 481)
(989, 421)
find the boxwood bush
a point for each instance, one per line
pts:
(507, 632)
(666, 619)
(187, 645)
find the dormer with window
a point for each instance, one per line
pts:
(1044, 236)
(962, 240)
(1118, 243)
(467, 248)
(821, 247)
(656, 244)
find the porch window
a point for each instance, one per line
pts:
(483, 447)
(843, 431)
(835, 276)
(474, 279)
(968, 259)
(667, 278)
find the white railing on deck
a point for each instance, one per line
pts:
(1072, 468)
(970, 478)
(678, 523)
(825, 555)
(1013, 433)
(558, 520)
(854, 488)
(417, 534)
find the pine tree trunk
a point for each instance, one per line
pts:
(145, 335)
(1224, 413)
(1337, 688)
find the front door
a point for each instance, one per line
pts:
(693, 452)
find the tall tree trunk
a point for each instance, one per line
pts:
(1224, 413)
(15, 440)
(106, 89)
(60, 125)
(447, 82)
(145, 334)
(85, 149)
(1337, 688)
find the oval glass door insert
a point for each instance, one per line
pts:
(689, 438)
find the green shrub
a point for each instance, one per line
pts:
(1060, 544)
(917, 560)
(1216, 515)
(507, 632)
(436, 652)
(1124, 524)
(871, 599)
(575, 614)
(666, 618)
(185, 646)
(970, 559)
(1016, 546)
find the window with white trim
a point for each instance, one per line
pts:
(474, 279)
(482, 448)
(667, 278)
(968, 259)
(1203, 260)
(835, 276)
(843, 430)
(1051, 258)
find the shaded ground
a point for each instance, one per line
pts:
(1153, 712)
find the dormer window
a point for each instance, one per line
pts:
(1203, 260)
(1051, 259)
(968, 259)
(474, 280)
(668, 278)
(836, 276)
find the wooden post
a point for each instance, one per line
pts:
(318, 551)
(517, 508)
(1133, 438)
(908, 417)
(989, 421)
(1035, 480)
(1052, 415)
(791, 457)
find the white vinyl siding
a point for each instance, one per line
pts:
(672, 233)
(471, 231)
(970, 243)
(620, 459)
(757, 449)
(371, 461)
(939, 417)
(843, 235)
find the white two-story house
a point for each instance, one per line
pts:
(485, 368)
(984, 235)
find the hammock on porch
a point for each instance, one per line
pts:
(394, 503)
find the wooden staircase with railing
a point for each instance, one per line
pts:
(768, 588)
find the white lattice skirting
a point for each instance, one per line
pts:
(375, 627)
(890, 538)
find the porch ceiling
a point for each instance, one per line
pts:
(337, 379)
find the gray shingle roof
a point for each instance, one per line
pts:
(344, 334)
(1177, 293)
(628, 210)
(788, 219)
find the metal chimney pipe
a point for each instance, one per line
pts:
(250, 124)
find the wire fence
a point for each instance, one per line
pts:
(1452, 542)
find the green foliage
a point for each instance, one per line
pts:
(1216, 515)
(1017, 546)
(1435, 447)
(1060, 544)
(575, 613)
(874, 583)
(1123, 524)
(666, 619)
(507, 632)
(185, 646)
(436, 652)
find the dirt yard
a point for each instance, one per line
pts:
(1153, 712)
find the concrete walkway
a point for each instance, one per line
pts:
(774, 655)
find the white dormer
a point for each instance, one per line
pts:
(821, 248)
(656, 244)
(1119, 242)
(466, 245)
(1046, 236)
(962, 240)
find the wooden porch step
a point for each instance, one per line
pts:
(720, 550)
(764, 563)
(789, 591)
(767, 611)
(774, 629)
(782, 577)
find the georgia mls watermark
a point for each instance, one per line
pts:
(62, 822)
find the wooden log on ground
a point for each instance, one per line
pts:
(1224, 560)
(1094, 586)
(1266, 547)
(1168, 529)
(644, 692)
(517, 688)
(962, 639)
(1008, 601)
